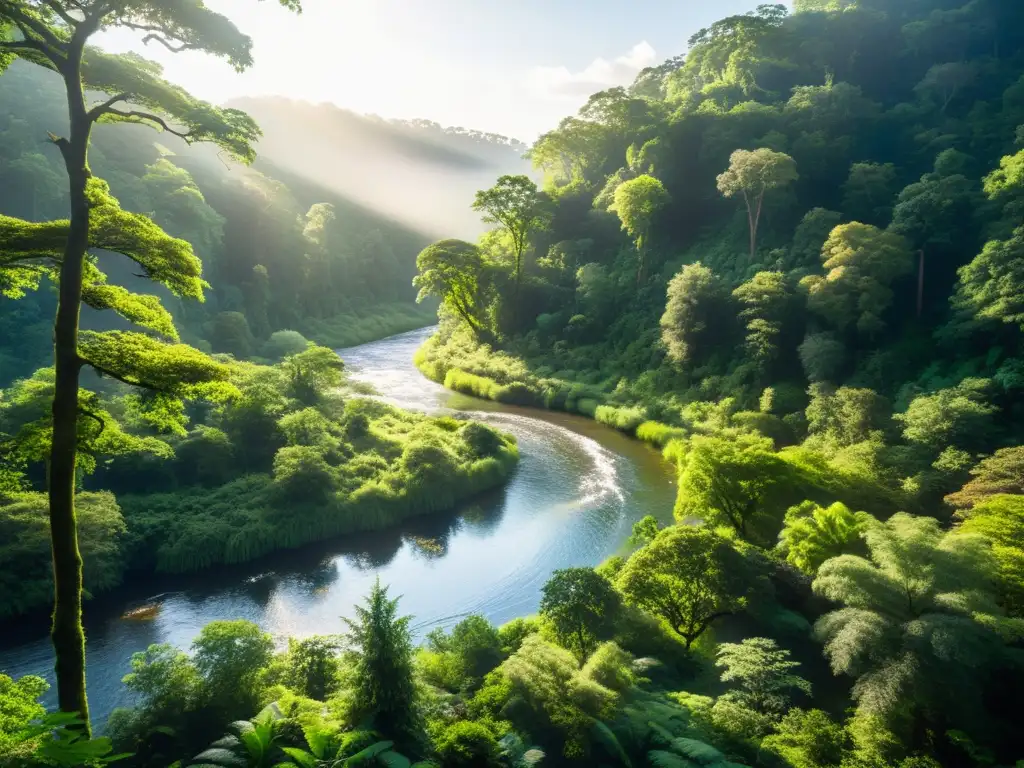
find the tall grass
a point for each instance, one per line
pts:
(659, 434)
(622, 419)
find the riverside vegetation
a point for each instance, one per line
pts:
(790, 260)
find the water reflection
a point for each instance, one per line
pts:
(566, 505)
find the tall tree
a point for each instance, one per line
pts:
(381, 651)
(54, 34)
(637, 201)
(697, 302)
(453, 271)
(753, 174)
(689, 576)
(862, 262)
(514, 204)
(581, 606)
(918, 625)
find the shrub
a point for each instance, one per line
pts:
(609, 666)
(481, 439)
(229, 332)
(467, 744)
(205, 457)
(281, 344)
(301, 472)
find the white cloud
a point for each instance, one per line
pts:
(559, 82)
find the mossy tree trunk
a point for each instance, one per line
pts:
(67, 632)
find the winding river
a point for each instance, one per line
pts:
(572, 501)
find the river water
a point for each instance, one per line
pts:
(577, 491)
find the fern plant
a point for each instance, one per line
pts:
(689, 753)
(682, 752)
(59, 740)
(248, 744)
(349, 750)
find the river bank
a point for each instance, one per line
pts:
(572, 500)
(462, 365)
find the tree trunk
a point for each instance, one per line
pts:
(755, 222)
(515, 293)
(640, 255)
(67, 632)
(920, 282)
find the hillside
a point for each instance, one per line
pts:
(320, 235)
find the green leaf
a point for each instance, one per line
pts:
(610, 742)
(225, 758)
(394, 760)
(370, 752)
(139, 360)
(697, 750)
(301, 757)
(140, 309)
(171, 105)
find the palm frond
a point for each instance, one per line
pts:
(319, 741)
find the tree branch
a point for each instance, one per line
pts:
(91, 415)
(168, 44)
(54, 6)
(118, 377)
(145, 116)
(160, 35)
(13, 46)
(61, 143)
(26, 22)
(96, 112)
(14, 261)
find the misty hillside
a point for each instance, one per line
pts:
(414, 171)
(277, 258)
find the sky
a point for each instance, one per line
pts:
(515, 67)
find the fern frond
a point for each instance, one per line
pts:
(659, 758)
(610, 741)
(300, 757)
(698, 751)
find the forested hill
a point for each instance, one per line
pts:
(315, 237)
(416, 171)
(787, 189)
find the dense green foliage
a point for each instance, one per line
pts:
(791, 261)
(291, 459)
(250, 226)
(824, 337)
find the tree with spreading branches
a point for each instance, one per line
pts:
(515, 205)
(55, 35)
(752, 174)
